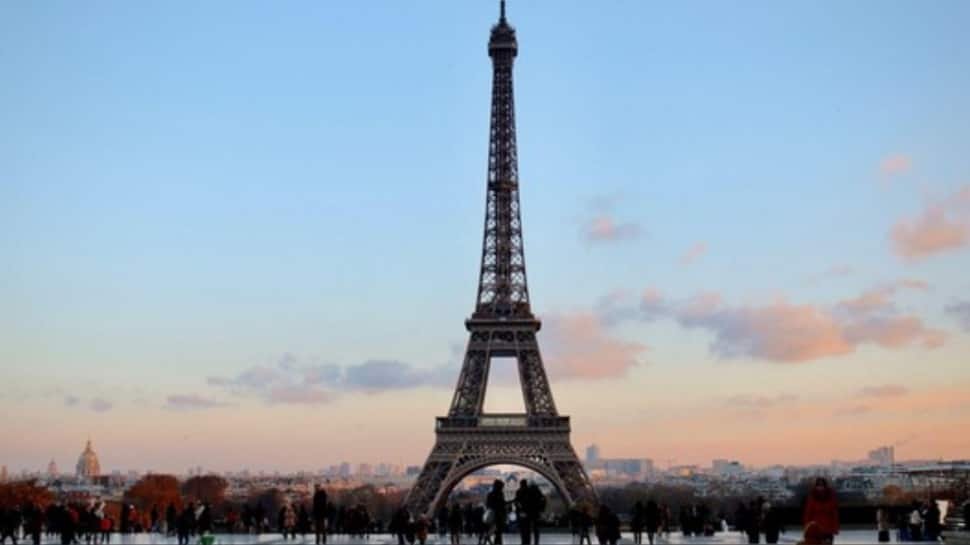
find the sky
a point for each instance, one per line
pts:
(246, 235)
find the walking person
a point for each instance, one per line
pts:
(753, 523)
(288, 522)
(931, 522)
(822, 509)
(882, 524)
(772, 523)
(607, 526)
(915, 523)
(637, 522)
(652, 520)
(521, 513)
(455, 520)
(320, 510)
(495, 502)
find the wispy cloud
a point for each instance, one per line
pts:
(942, 226)
(787, 332)
(895, 164)
(853, 410)
(760, 401)
(192, 402)
(100, 405)
(886, 390)
(606, 229)
(695, 252)
(959, 311)
(71, 401)
(578, 345)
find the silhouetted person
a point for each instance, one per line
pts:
(455, 521)
(171, 517)
(183, 526)
(882, 524)
(320, 512)
(821, 508)
(607, 526)
(399, 524)
(522, 516)
(932, 522)
(772, 523)
(652, 520)
(753, 524)
(637, 522)
(495, 502)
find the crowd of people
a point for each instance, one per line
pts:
(91, 523)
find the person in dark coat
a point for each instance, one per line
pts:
(183, 526)
(521, 512)
(753, 523)
(171, 518)
(607, 526)
(637, 522)
(455, 521)
(772, 523)
(33, 522)
(495, 501)
(400, 521)
(320, 512)
(652, 519)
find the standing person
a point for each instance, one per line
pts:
(915, 523)
(932, 522)
(753, 527)
(320, 510)
(521, 512)
(495, 502)
(153, 519)
(399, 524)
(171, 517)
(607, 526)
(882, 524)
(652, 519)
(444, 515)
(772, 523)
(637, 522)
(289, 522)
(455, 520)
(183, 526)
(535, 509)
(10, 525)
(822, 509)
(585, 524)
(125, 512)
(34, 523)
(421, 529)
(303, 521)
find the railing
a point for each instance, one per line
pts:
(503, 420)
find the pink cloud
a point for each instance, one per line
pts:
(886, 390)
(895, 164)
(695, 252)
(794, 333)
(577, 345)
(604, 228)
(941, 227)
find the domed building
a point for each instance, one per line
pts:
(87, 464)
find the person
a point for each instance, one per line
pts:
(607, 526)
(521, 514)
(10, 522)
(444, 515)
(882, 524)
(399, 524)
(495, 502)
(637, 522)
(183, 526)
(34, 522)
(915, 522)
(584, 522)
(822, 509)
(652, 520)
(932, 522)
(772, 523)
(288, 522)
(303, 521)
(753, 522)
(171, 517)
(455, 521)
(154, 519)
(320, 515)
(421, 529)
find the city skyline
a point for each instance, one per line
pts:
(746, 228)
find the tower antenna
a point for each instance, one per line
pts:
(502, 9)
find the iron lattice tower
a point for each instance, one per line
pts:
(502, 325)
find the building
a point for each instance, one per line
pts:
(726, 468)
(592, 455)
(3, 474)
(882, 456)
(88, 466)
(52, 468)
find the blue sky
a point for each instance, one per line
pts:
(188, 191)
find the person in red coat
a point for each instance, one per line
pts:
(821, 509)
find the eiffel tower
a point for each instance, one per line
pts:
(501, 326)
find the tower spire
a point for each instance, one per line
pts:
(501, 10)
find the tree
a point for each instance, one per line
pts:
(206, 488)
(154, 489)
(16, 494)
